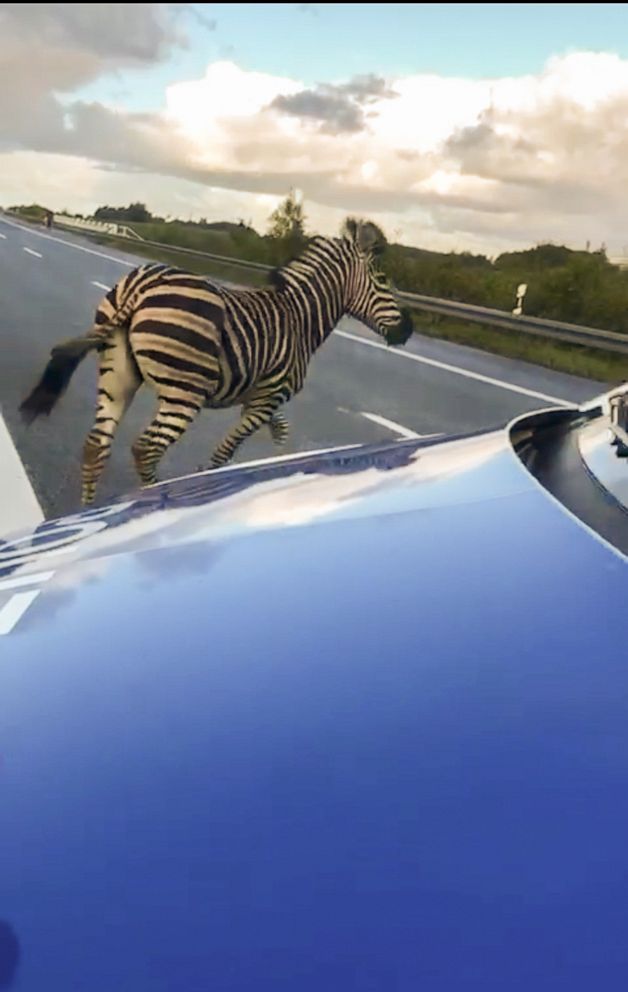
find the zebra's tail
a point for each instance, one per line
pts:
(64, 360)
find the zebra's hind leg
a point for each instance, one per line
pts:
(279, 429)
(171, 421)
(255, 414)
(118, 382)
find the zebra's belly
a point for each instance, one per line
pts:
(221, 403)
(236, 387)
(234, 395)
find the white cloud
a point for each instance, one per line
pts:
(57, 180)
(65, 181)
(448, 162)
(226, 93)
(440, 162)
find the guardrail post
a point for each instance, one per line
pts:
(522, 289)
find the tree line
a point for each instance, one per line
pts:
(581, 287)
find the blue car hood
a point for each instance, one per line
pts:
(356, 721)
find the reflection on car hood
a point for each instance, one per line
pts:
(349, 722)
(274, 495)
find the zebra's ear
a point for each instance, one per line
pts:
(366, 235)
(370, 238)
(350, 229)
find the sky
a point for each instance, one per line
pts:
(457, 127)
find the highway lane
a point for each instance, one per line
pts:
(356, 392)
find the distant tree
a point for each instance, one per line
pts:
(286, 230)
(33, 211)
(137, 212)
(106, 213)
(536, 259)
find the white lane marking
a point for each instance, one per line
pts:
(15, 608)
(13, 611)
(390, 424)
(3, 236)
(19, 508)
(100, 285)
(25, 580)
(69, 244)
(457, 370)
(31, 252)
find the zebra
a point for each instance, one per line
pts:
(200, 344)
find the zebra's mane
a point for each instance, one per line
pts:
(279, 278)
(365, 235)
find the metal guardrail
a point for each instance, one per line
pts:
(539, 326)
(555, 329)
(91, 226)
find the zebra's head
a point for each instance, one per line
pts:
(369, 295)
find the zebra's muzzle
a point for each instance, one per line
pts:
(399, 334)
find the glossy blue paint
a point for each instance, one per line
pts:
(359, 724)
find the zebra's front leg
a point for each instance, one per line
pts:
(254, 416)
(279, 428)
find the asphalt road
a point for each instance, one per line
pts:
(357, 391)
